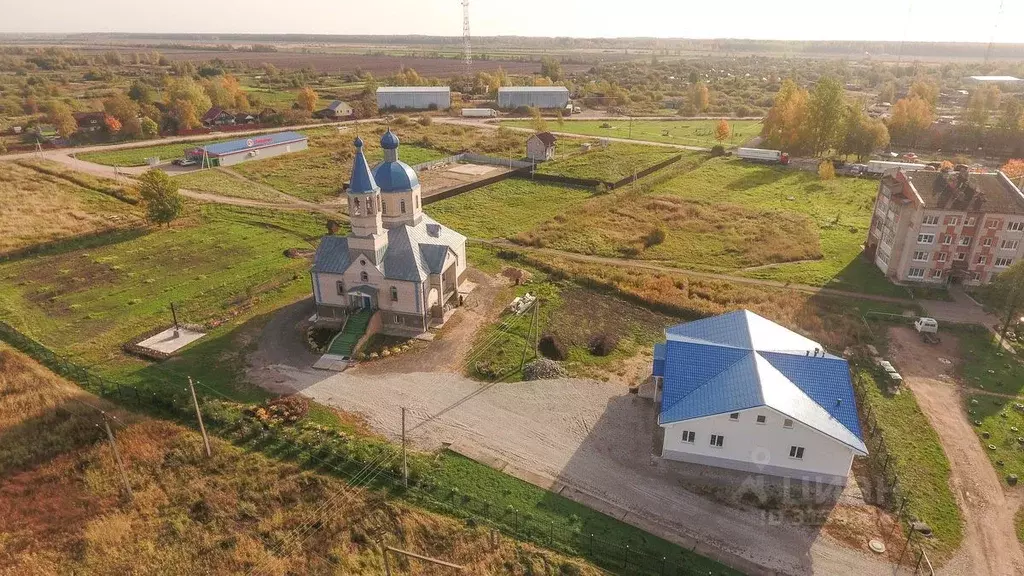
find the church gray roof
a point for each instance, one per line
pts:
(331, 255)
(414, 253)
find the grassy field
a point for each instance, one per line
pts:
(684, 132)
(137, 156)
(506, 208)
(919, 462)
(725, 215)
(986, 366)
(91, 300)
(37, 207)
(609, 164)
(1000, 426)
(228, 514)
(226, 182)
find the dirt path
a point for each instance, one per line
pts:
(990, 544)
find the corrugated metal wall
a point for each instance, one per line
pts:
(545, 99)
(414, 100)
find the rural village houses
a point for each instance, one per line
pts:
(946, 227)
(396, 259)
(739, 391)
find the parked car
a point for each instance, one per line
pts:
(929, 325)
(910, 157)
(851, 169)
(185, 162)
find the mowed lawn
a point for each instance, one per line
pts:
(137, 156)
(506, 208)
(684, 132)
(226, 182)
(37, 208)
(90, 301)
(609, 164)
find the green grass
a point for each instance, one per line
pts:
(918, 460)
(999, 424)
(90, 301)
(684, 132)
(506, 208)
(610, 164)
(222, 182)
(986, 366)
(137, 156)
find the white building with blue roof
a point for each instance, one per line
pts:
(249, 148)
(739, 391)
(396, 260)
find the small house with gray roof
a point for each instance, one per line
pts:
(396, 262)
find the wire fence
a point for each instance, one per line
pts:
(327, 450)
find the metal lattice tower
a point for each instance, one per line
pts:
(467, 52)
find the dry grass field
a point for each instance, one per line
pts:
(61, 510)
(37, 208)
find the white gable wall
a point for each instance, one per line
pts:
(760, 448)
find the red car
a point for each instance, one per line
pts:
(910, 157)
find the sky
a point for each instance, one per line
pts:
(911, 20)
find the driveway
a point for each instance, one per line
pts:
(593, 438)
(990, 544)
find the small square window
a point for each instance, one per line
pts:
(717, 440)
(787, 423)
(796, 452)
(688, 436)
(341, 288)
(761, 418)
(734, 416)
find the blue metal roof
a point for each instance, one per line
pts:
(254, 142)
(361, 181)
(659, 359)
(331, 255)
(395, 176)
(389, 141)
(740, 360)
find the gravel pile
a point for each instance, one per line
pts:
(544, 369)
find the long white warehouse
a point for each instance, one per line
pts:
(414, 97)
(535, 96)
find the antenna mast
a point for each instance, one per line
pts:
(467, 53)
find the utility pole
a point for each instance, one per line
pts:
(405, 461)
(199, 415)
(387, 565)
(117, 458)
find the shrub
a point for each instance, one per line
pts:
(551, 347)
(426, 121)
(401, 120)
(655, 237)
(717, 150)
(603, 344)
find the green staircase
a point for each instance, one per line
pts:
(346, 340)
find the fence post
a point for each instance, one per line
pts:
(625, 563)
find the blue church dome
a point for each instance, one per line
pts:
(389, 141)
(395, 176)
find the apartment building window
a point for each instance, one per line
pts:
(993, 224)
(982, 259)
(986, 242)
(975, 276)
(925, 238)
(884, 258)
(947, 239)
(965, 240)
(921, 256)
(1010, 244)
(796, 452)
(1015, 226)
(915, 273)
(735, 416)
(952, 221)
(936, 273)
(1003, 262)
(970, 221)
(930, 221)
(688, 436)
(961, 256)
(717, 440)
(941, 257)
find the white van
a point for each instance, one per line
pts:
(926, 325)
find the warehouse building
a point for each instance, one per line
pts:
(535, 96)
(244, 149)
(414, 98)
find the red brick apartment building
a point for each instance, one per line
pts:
(946, 227)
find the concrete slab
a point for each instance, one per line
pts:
(472, 169)
(170, 341)
(332, 362)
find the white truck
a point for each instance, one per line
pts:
(879, 167)
(761, 155)
(928, 328)
(479, 112)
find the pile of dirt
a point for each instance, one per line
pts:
(544, 369)
(283, 410)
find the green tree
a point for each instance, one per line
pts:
(1007, 294)
(537, 121)
(160, 195)
(1012, 119)
(307, 99)
(551, 68)
(148, 128)
(887, 93)
(141, 92)
(863, 135)
(59, 114)
(826, 115)
(925, 90)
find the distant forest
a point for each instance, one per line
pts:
(656, 45)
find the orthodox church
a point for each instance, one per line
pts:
(396, 260)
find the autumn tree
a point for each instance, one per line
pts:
(980, 105)
(186, 102)
(113, 124)
(911, 117)
(1006, 294)
(700, 97)
(826, 171)
(59, 114)
(722, 130)
(1014, 169)
(149, 128)
(826, 115)
(1012, 119)
(126, 111)
(925, 90)
(785, 125)
(307, 99)
(141, 92)
(537, 121)
(160, 195)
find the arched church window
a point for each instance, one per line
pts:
(403, 206)
(394, 294)
(355, 207)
